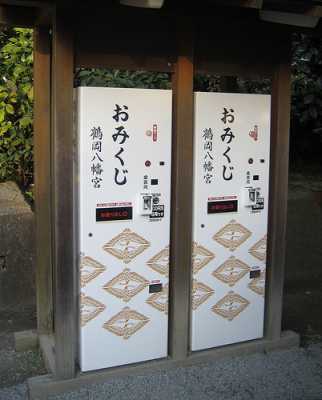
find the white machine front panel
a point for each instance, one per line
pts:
(124, 224)
(231, 179)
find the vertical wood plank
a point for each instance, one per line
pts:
(277, 217)
(181, 220)
(63, 197)
(42, 176)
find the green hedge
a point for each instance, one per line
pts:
(16, 106)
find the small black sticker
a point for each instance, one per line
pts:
(259, 204)
(157, 211)
(155, 288)
(154, 181)
(255, 274)
(255, 177)
(113, 214)
(216, 207)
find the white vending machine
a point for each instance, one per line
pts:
(124, 189)
(231, 181)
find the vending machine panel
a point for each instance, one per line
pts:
(231, 181)
(123, 190)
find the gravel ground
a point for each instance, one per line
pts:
(291, 374)
(15, 368)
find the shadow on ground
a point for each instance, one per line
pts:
(17, 367)
(303, 274)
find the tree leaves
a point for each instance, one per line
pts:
(10, 109)
(117, 78)
(307, 81)
(16, 105)
(2, 114)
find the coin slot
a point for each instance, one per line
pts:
(155, 288)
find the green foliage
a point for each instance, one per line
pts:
(256, 86)
(307, 81)
(206, 83)
(16, 105)
(306, 123)
(117, 78)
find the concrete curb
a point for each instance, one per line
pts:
(41, 387)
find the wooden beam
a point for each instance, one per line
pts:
(252, 4)
(43, 184)
(246, 57)
(145, 41)
(26, 3)
(85, 59)
(242, 69)
(315, 11)
(181, 219)
(240, 3)
(24, 17)
(277, 216)
(45, 16)
(63, 198)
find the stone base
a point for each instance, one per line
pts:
(25, 340)
(17, 249)
(43, 386)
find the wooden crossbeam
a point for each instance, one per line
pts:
(315, 11)
(239, 3)
(18, 16)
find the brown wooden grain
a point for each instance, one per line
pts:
(86, 59)
(42, 177)
(181, 218)
(63, 199)
(277, 216)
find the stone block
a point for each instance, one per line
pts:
(17, 249)
(25, 340)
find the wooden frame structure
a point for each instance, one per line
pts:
(223, 41)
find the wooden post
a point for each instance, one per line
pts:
(63, 197)
(181, 221)
(42, 168)
(277, 217)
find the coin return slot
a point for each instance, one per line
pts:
(251, 196)
(147, 203)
